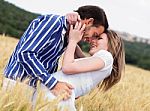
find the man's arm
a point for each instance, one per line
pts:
(37, 37)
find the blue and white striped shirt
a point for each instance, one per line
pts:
(38, 51)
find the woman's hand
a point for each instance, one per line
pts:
(77, 32)
(73, 17)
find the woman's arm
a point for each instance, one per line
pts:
(72, 18)
(70, 66)
(79, 53)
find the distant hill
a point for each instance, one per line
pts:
(133, 38)
(137, 50)
(13, 20)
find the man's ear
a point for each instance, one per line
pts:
(90, 21)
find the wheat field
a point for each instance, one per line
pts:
(130, 94)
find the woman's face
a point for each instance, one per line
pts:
(98, 43)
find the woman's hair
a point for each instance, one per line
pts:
(95, 12)
(116, 48)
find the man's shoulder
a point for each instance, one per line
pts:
(58, 20)
(54, 16)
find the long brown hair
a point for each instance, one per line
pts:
(116, 48)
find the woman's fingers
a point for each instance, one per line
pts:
(76, 33)
(83, 27)
(76, 25)
(71, 27)
(79, 26)
(79, 19)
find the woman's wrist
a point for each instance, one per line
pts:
(71, 41)
(72, 45)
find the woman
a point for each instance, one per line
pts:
(105, 65)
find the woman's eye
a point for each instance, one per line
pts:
(99, 38)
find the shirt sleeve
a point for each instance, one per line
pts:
(37, 36)
(106, 57)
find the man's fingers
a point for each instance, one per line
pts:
(62, 88)
(67, 96)
(55, 92)
(74, 18)
(68, 91)
(70, 86)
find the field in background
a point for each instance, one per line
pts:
(130, 94)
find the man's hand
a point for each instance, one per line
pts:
(62, 87)
(73, 17)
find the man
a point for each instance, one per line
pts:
(39, 49)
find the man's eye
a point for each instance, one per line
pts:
(96, 36)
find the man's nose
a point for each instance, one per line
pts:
(93, 40)
(87, 39)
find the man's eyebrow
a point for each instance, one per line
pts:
(96, 34)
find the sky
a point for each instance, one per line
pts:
(132, 16)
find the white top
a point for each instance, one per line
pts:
(85, 82)
(101, 74)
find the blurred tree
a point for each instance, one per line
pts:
(13, 20)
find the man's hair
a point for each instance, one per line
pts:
(95, 12)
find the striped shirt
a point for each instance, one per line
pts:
(38, 51)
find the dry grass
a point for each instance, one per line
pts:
(130, 94)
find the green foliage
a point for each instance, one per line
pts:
(13, 20)
(138, 54)
(85, 46)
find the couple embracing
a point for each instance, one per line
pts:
(37, 54)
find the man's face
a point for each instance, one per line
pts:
(92, 31)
